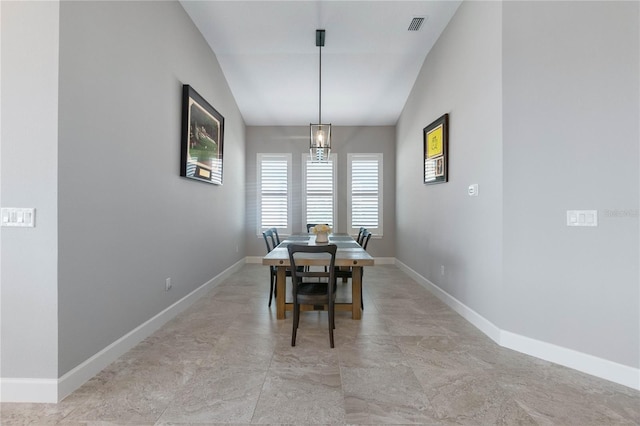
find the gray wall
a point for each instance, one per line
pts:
(544, 104)
(101, 164)
(440, 225)
(346, 139)
(28, 171)
(571, 114)
(127, 220)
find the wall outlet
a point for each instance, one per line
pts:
(167, 284)
(442, 270)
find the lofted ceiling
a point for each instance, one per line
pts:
(370, 60)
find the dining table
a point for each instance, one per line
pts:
(349, 254)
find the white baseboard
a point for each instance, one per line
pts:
(54, 390)
(599, 367)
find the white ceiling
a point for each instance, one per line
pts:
(370, 61)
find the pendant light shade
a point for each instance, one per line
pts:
(320, 142)
(320, 147)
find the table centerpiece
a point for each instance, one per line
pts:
(322, 233)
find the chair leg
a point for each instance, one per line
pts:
(333, 318)
(296, 318)
(361, 288)
(272, 289)
(332, 324)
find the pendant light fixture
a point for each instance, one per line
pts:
(320, 144)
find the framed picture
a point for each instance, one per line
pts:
(436, 151)
(202, 138)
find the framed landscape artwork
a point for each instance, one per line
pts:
(436, 151)
(202, 139)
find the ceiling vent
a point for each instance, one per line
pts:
(416, 23)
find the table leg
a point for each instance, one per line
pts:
(281, 286)
(356, 293)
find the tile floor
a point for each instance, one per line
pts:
(411, 360)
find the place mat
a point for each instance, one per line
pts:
(345, 244)
(340, 238)
(286, 243)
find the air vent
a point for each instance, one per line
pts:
(416, 23)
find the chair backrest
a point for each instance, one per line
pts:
(359, 239)
(275, 234)
(366, 235)
(298, 273)
(269, 239)
(311, 225)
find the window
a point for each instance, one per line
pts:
(274, 192)
(319, 191)
(364, 204)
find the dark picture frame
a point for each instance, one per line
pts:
(202, 139)
(435, 142)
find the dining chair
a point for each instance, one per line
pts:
(311, 225)
(345, 276)
(347, 272)
(313, 287)
(275, 234)
(366, 236)
(270, 242)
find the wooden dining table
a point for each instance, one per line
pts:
(349, 254)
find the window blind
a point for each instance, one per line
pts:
(274, 193)
(319, 193)
(365, 192)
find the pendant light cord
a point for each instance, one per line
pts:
(320, 88)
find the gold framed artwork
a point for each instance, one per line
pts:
(435, 139)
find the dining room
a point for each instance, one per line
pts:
(125, 245)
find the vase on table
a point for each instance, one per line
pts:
(322, 237)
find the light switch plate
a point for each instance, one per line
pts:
(582, 217)
(18, 217)
(473, 190)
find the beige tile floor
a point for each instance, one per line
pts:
(411, 360)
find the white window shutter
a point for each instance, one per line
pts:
(274, 183)
(365, 192)
(319, 191)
